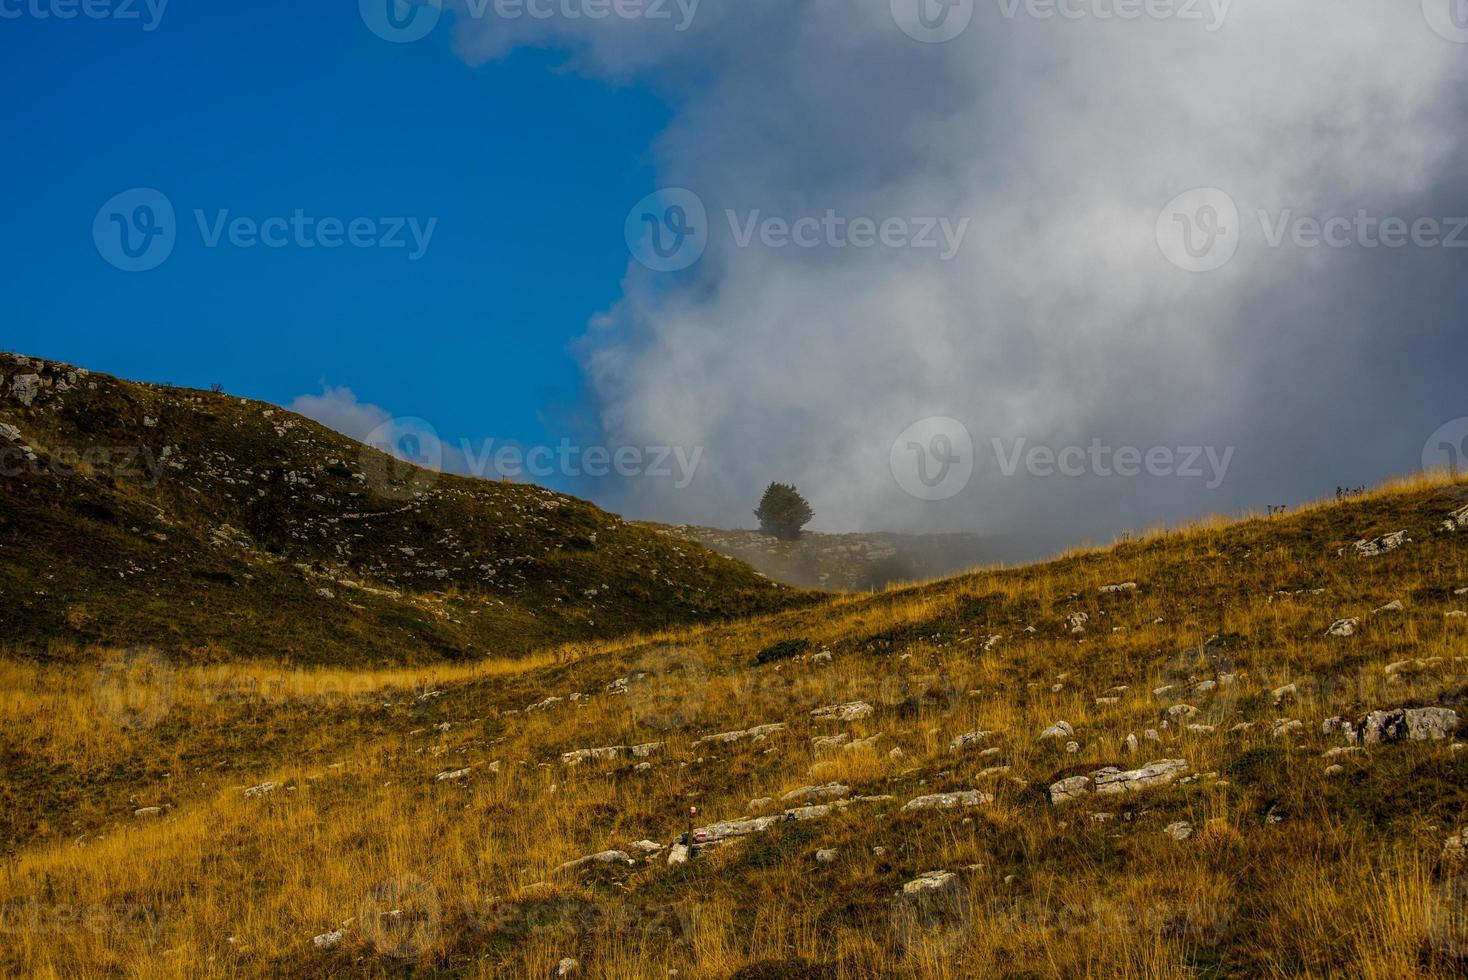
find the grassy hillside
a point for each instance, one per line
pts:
(217, 528)
(420, 822)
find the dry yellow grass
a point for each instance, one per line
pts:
(1290, 871)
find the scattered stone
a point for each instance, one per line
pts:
(328, 939)
(1179, 831)
(1334, 770)
(1455, 848)
(829, 741)
(993, 771)
(1457, 522)
(453, 775)
(148, 811)
(928, 884)
(1393, 606)
(602, 857)
(1341, 750)
(1077, 622)
(1178, 711)
(1288, 691)
(968, 740)
(824, 657)
(261, 790)
(1130, 744)
(1343, 627)
(1061, 729)
(829, 791)
(1201, 729)
(567, 967)
(760, 802)
(1123, 587)
(647, 847)
(1072, 748)
(1287, 726)
(826, 856)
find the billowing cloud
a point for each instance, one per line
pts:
(1064, 319)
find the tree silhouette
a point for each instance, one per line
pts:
(783, 511)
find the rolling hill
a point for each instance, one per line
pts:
(217, 529)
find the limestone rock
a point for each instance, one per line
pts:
(1410, 724)
(945, 801)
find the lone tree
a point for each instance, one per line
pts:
(783, 511)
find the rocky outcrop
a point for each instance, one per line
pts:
(1408, 724)
(1111, 780)
(1380, 546)
(967, 741)
(851, 711)
(758, 734)
(602, 857)
(929, 884)
(805, 794)
(610, 753)
(947, 801)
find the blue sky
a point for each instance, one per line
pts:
(1067, 148)
(265, 108)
